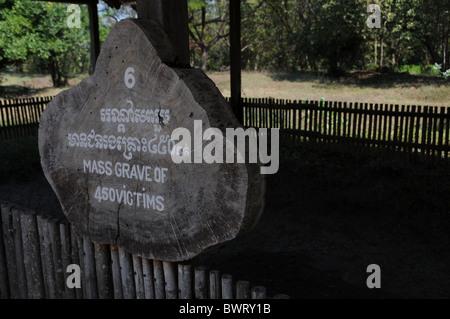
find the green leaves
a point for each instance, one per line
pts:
(196, 4)
(37, 32)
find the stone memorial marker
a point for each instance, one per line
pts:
(106, 149)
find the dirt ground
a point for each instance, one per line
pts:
(328, 216)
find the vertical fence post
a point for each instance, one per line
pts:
(116, 275)
(48, 266)
(90, 276)
(138, 277)
(32, 256)
(242, 289)
(158, 272)
(149, 285)
(10, 253)
(214, 285)
(18, 246)
(258, 292)
(170, 279)
(126, 266)
(103, 271)
(66, 257)
(227, 286)
(75, 255)
(4, 284)
(55, 239)
(185, 281)
(200, 283)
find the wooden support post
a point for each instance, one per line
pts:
(172, 15)
(235, 58)
(94, 34)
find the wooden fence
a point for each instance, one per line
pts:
(20, 117)
(417, 130)
(35, 253)
(409, 129)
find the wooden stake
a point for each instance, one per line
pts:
(21, 275)
(4, 284)
(66, 259)
(47, 258)
(159, 279)
(227, 286)
(138, 277)
(149, 286)
(90, 276)
(214, 284)
(55, 238)
(170, 279)
(242, 290)
(258, 292)
(126, 271)
(32, 256)
(185, 281)
(116, 276)
(200, 284)
(103, 271)
(75, 255)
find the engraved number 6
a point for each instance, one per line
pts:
(129, 77)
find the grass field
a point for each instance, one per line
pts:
(358, 86)
(370, 87)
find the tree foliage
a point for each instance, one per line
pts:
(288, 35)
(329, 35)
(35, 35)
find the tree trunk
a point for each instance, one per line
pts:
(375, 53)
(381, 52)
(394, 61)
(204, 58)
(58, 79)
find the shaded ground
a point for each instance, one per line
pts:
(327, 217)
